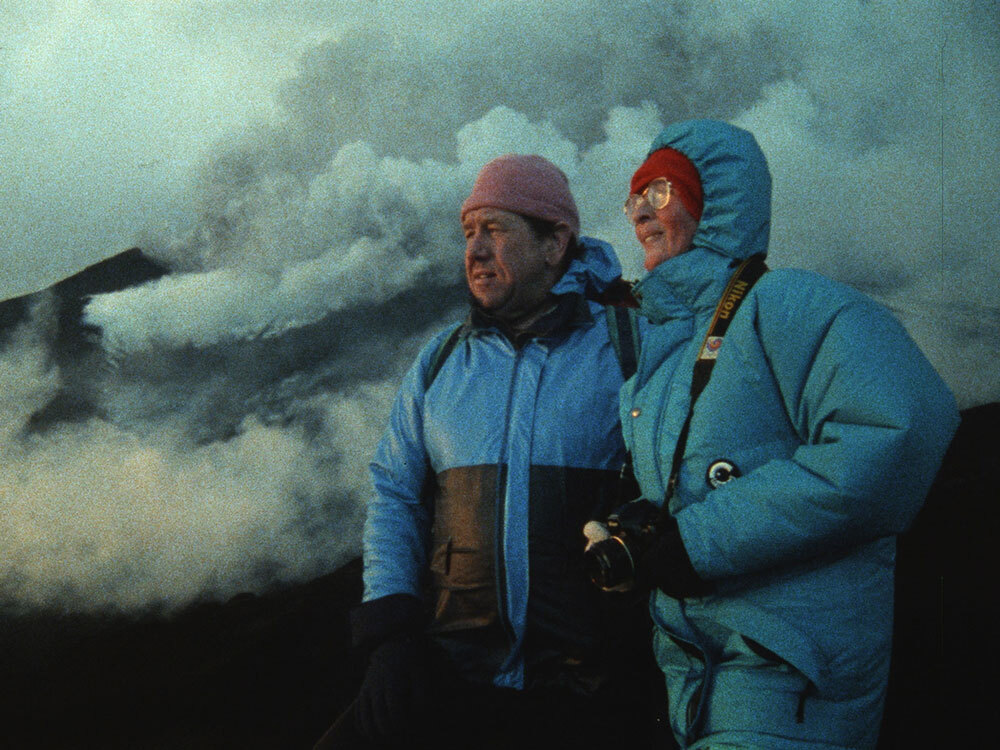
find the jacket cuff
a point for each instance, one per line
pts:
(666, 565)
(376, 621)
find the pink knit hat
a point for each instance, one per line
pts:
(525, 184)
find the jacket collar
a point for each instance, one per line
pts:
(567, 311)
(592, 272)
(683, 286)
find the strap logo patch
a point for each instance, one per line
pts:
(711, 348)
(720, 472)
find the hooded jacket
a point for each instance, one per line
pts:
(484, 479)
(833, 421)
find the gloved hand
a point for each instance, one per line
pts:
(640, 546)
(664, 564)
(393, 691)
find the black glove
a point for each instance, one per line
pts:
(393, 691)
(665, 564)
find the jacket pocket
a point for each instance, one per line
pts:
(462, 577)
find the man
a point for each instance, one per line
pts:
(812, 444)
(483, 628)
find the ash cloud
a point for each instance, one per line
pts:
(230, 407)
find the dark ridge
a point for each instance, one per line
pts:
(344, 347)
(73, 348)
(130, 268)
(126, 269)
(12, 312)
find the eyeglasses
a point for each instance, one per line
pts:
(657, 194)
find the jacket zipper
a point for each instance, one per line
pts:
(501, 568)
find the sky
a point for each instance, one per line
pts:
(298, 166)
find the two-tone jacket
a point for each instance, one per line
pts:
(828, 421)
(485, 477)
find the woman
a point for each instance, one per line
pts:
(812, 445)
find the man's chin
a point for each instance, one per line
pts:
(486, 306)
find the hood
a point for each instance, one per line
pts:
(592, 271)
(735, 181)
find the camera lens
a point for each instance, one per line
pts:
(609, 563)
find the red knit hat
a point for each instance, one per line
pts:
(684, 179)
(525, 184)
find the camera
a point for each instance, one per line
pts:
(616, 545)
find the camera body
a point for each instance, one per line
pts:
(628, 532)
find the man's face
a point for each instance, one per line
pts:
(508, 268)
(663, 233)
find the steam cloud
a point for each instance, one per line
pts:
(234, 403)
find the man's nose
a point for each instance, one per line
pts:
(476, 246)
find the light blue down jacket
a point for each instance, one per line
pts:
(483, 483)
(836, 425)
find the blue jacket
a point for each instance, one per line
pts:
(484, 482)
(834, 420)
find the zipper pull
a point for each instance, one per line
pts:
(671, 488)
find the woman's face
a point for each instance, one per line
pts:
(663, 233)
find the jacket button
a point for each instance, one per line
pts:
(635, 412)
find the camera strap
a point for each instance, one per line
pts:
(745, 276)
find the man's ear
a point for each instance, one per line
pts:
(557, 246)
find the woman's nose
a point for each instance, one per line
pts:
(643, 211)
